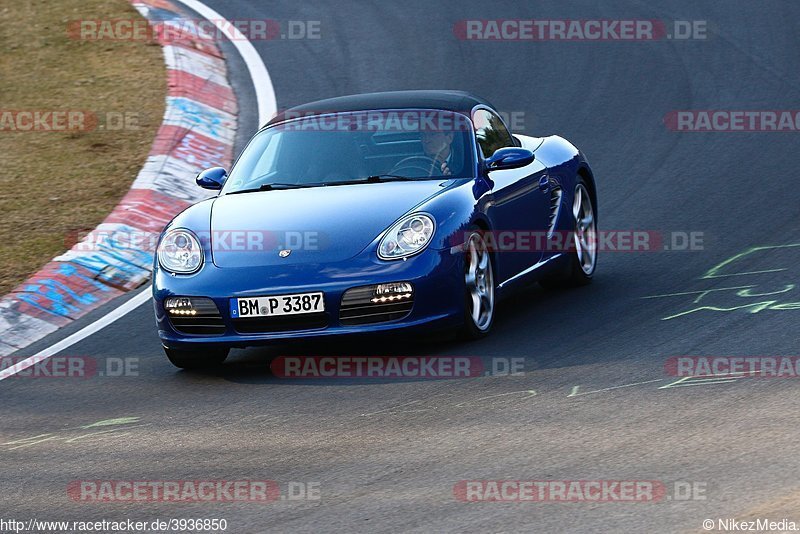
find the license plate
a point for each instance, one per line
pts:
(277, 305)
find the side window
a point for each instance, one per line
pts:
(490, 132)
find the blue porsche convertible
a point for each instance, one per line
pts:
(371, 213)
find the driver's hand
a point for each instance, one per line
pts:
(445, 169)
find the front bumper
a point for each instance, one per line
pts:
(435, 274)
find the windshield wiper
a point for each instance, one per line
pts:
(375, 178)
(388, 178)
(270, 187)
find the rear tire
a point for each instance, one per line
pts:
(583, 258)
(196, 359)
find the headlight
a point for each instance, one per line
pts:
(180, 252)
(410, 235)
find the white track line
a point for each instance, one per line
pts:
(80, 335)
(267, 106)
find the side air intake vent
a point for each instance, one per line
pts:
(555, 205)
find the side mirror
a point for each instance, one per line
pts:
(213, 178)
(509, 158)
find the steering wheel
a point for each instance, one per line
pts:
(426, 164)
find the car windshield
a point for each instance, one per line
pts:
(354, 147)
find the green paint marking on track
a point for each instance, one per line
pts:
(756, 307)
(64, 435)
(575, 389)
(112, 422)
(702, 293)
(701, 381)
(714, 272)
(722, 270)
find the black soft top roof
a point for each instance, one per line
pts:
(458, 101)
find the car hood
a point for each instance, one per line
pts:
(318, 225)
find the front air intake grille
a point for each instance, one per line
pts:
(361, 305)
(195, 316)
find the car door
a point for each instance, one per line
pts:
(519, 207)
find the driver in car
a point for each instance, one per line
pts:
(437, 146)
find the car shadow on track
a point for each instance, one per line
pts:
(528, 322)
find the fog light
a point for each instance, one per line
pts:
(190, 306)
(194, 316)
(376, 303)
(178, 305)
(392, 292)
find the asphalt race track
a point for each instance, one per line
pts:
(594, 402)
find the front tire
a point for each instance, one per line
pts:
(196, 359)
(479, 287)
